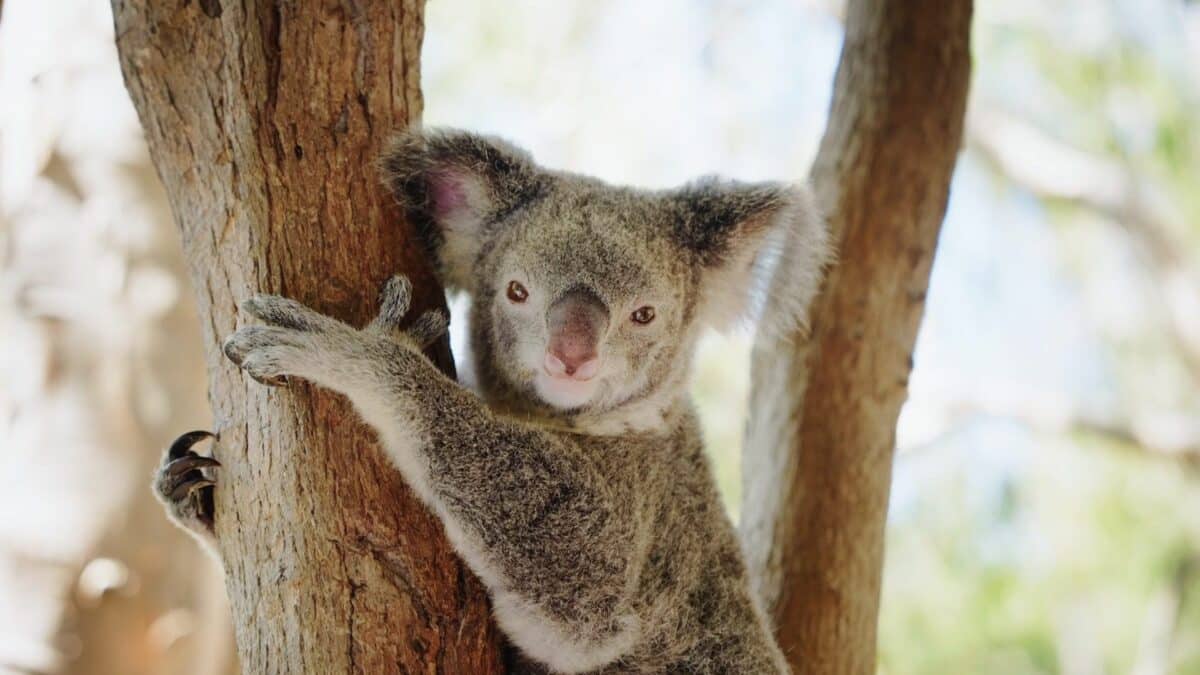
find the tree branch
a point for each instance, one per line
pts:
(1129, 438)
(819, 445)
(1051, 169)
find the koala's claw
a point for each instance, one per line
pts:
(187, 487)
(182, 446)
(177, 467)
(270, 380)
(181, 483)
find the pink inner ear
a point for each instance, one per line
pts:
(448, 192)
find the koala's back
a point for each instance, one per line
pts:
(693, 600)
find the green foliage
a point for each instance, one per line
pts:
(1093, 538)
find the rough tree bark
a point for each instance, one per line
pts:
(819, 445)
(264, 119)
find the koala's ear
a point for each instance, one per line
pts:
(739, 234)
(455, 185)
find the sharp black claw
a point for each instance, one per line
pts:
(183, 465)
(182, 445)
(187, 487)
(273, 381)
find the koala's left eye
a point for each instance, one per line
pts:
(643, 315)
(516, 292)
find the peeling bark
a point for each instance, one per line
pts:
(264, 120)
(819, 446)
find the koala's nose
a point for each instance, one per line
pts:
(577, 364)
(576, 321)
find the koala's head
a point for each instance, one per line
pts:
(587, 297)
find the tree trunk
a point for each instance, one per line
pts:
(264, 119)
(819, 446)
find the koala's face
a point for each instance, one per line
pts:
(583, 300)
(587, 297)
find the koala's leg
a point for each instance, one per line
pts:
(184, 484)
(552, 537)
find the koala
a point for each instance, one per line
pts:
(574, 483)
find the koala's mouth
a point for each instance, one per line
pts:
(565, 393)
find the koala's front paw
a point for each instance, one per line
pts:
(395, 299)
(183, 485)
(284, 347)
(266, 353)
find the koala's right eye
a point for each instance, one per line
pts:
(517, 292)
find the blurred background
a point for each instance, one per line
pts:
(1045, 515)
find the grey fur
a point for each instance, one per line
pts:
(588, 509)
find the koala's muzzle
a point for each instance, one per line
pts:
(576, 321)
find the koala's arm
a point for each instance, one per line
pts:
(537, 521)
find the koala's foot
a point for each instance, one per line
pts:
(184, 486)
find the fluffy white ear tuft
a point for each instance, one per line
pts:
(791, 265)
(763, 249)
